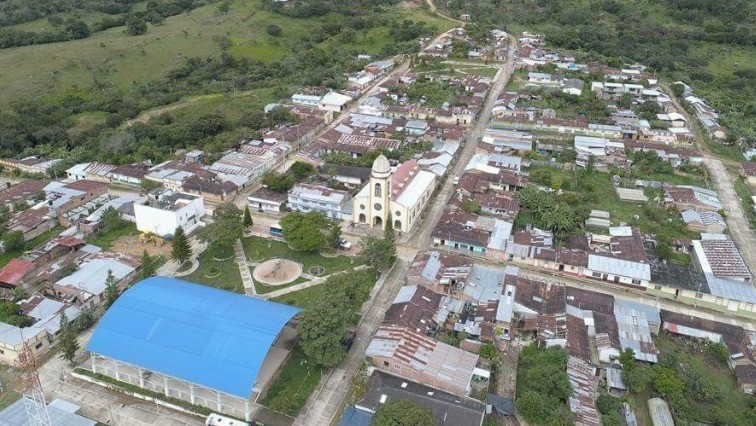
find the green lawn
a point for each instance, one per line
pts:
(223, 274)
(259, 249)
(34, 242)
(293, 386)
(307, 297)
(105, 240)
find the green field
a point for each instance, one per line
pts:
(223, 273)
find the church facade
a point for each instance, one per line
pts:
(397, 195)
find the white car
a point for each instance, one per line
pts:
(346, 245)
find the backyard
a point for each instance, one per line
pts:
(708, 390)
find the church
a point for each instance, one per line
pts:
(397, 195)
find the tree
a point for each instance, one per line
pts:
(181, 250)
(85, 320)
(149, 185)
(334, 236)
(135, 25)
(560, 219)
(68, 343)
(18, 293)
(77, 30)
(148, 265)
(247, 221)
(402, 412)
(111, 220)
(376, 253)
(13, 241)
(111, 289)
(303, 231)
(274, 30)
(323, 329)
(226, 228)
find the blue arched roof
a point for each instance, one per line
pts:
(200, 334)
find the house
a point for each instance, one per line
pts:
(12, 340)
(447, 409)
(266, 201)
(12, 275)
(726, 273)
(350, 176)
(63, 197)
(440, 271)
(685, 197)
(413, 356)
(334, 101)
(399, 195)
(748, 172)
(625, 263)
(614, 383)
(33, 164)
(33, 222)
(22, 194)
(470, 233)
(675, 119)
(415, 307)
(306, 100)
(573, 86)
(86, 286)
(704, 221)
(162, 213)
(332, 203)
(614, 91)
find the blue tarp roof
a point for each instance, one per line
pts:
(200, 334)
(355, 417)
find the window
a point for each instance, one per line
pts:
(377, 206)
(38, 345)
(596, 274)
(362, 207)
(636, 282)
(378, 191)
(699, 295)
(397, 213)
(385, 363)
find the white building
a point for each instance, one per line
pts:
(401, 194)
(334, 101)
(332, 203)
(167, 211)
(307, 100)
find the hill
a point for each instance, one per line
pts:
(70, 98)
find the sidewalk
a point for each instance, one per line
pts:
(246, 274)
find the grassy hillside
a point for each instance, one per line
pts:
(226, 59)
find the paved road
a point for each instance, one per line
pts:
(422, 238)
(737, 221)
(325, 404)
(103, 405)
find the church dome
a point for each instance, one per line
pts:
(381, 166)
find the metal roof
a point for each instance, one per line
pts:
(625, 268)
(60, 415)
(200, 334)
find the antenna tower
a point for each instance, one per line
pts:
(31, 388)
